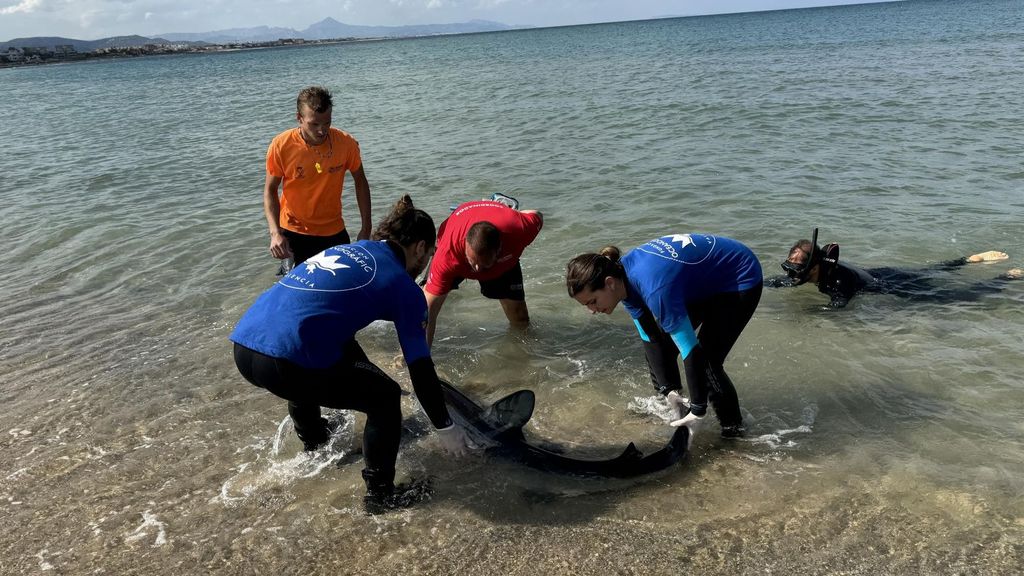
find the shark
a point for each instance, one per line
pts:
(499, 428)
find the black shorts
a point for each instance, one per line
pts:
(508, 286)
(303, 245)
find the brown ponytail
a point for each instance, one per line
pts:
(406, 225)
(589, 270)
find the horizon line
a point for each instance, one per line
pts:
(520, 26)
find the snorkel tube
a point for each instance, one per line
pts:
(799, 272)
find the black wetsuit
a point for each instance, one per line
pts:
(843, 281)
(298, 341)
(721, 318)
(353, 383)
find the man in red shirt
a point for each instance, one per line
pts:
(482, 241)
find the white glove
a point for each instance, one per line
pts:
(453, 440)
(680, 405)
(693, 422)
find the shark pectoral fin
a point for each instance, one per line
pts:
(512, 411)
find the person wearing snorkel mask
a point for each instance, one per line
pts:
(841, 281)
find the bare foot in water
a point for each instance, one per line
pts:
(1015, 273)
(990, 256)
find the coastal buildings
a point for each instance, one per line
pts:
(16, 55)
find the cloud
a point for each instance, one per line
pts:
(87, 18)
(456, 4)
(25, 6)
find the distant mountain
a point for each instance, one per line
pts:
(325, 29)
(330, 28)
(121, 41)
(232, 35)
(43, 42)
(80, 45)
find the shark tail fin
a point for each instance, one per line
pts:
(511, 412)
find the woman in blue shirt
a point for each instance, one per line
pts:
(671, 286)
(298, 342)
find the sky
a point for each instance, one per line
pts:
(95, 19)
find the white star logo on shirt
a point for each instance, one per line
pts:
(324, 262)
(683, 238)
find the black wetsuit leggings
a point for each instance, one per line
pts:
(720, 319)
(354, 383)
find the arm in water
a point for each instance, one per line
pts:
(272, 210)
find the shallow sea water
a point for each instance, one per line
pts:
(885, 438)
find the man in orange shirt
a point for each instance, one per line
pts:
(305, 173)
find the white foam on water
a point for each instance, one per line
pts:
(651, 406)
(269, 469)
(657, 407)
(581, 366)
(43, 564)
(575, 371)
(148, 520)
(16, 474)
(778, 438)
(279, 436)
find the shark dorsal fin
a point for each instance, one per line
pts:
(512, 411)
(631, 453)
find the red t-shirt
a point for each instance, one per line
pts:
(517, 230)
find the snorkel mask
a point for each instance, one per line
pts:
(799, 272)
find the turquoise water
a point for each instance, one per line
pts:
(884, 438)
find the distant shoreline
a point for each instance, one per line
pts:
(177, 49)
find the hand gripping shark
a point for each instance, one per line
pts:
(500, 427)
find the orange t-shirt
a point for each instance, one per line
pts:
(312, 179)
